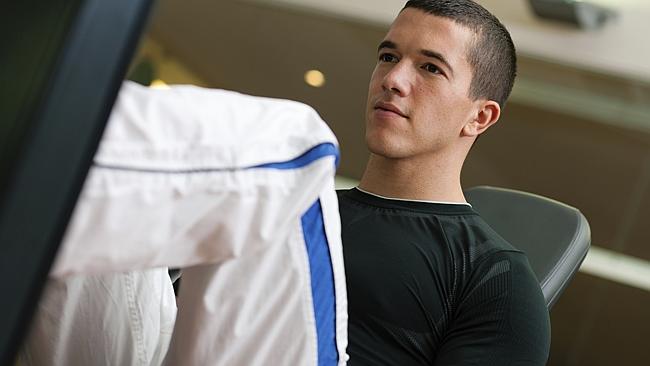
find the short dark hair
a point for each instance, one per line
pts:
(492, 55)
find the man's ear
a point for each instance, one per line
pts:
(487, 114)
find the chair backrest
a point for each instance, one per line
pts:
(554, 236)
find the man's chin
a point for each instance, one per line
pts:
(385, 149)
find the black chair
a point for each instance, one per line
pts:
(554, 236)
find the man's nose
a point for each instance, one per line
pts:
(398, 79)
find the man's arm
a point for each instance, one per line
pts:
(501, 319)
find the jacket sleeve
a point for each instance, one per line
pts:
(191, 176)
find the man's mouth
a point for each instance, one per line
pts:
(388, 107)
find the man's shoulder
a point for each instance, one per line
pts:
(474, 236)
(343, 192)
(350, 203)
(342, 195)
(488, 253)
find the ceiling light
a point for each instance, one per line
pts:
(159, 84)
(617, 267)
(582, 14)
(315, 78)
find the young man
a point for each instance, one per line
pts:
(429, 283)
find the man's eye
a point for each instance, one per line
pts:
(431, 68)
(387, 57)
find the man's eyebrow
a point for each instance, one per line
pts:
(438, 56)
(387, 44)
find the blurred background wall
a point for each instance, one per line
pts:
(577, 127)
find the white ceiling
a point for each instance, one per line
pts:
(620, 48)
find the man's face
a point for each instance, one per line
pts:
(418, 98)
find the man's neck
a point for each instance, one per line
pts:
(418, 179)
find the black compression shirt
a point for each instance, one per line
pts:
(433, 284)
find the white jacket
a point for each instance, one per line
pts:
(236, 190)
